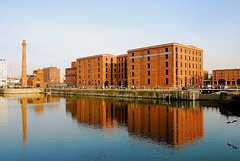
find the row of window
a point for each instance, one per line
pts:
(149, 81)
(115, 76)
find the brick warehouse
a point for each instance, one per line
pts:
(97, 71)
(226, 77)
(167, 65)
(71, 74)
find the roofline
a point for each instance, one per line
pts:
(122, 55)
(163, 45)
(93, 56)
(50, 67)
(71, 68)
(226, 69)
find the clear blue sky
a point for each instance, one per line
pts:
(59, 31)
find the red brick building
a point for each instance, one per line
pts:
(167, 65)
(97, 71)
(51, 75)
(122, 70)
(71, 74)
(36, 79)
(226, 77)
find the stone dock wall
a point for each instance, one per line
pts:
(148, 94)
(22, 91)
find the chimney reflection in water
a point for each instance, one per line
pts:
(24, 119)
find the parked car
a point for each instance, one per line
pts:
(184, 88)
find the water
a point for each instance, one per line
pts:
(36, 127)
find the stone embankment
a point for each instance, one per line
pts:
(21, 91)
(148, 94)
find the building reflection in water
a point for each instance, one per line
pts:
(171, 124)
(38, 103)
(3, 112)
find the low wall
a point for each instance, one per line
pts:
(22, 91)
(149, 94)
(214, 97)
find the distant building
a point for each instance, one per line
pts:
(205, 75)
(226, 77)
(71, 74)
(51, 75)
(36, 79)
(3, 72)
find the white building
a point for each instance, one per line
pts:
(3, 72)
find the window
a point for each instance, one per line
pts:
(181, 72)
(122, 64)
(132, 81)
(166, 80)
(148, 81)
(106, 75)
(166, 56)
(166, 64)
(148, 58)
(98, 59)
(181, 64)
(99, 82)
(133, 74)
(176, 64)
(166, 72)
(132, 54)
(148, 52)
(176, 49)
(148, 65)
(98, 75)
(106, 59)
(111, 59)
(166, 49)
(132, 67)
(88, 70)
(122, 69)
(98, 64)
(148, 73)
(132, 60)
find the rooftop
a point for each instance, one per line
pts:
(163, 45)
(100, 55)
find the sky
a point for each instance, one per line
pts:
(58, 32)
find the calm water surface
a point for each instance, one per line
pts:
(36, 127)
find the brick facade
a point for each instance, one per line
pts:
(122, 70)
(167, 65)
(71, 74)
(96, 71)
(51, 75)
(226, 77)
